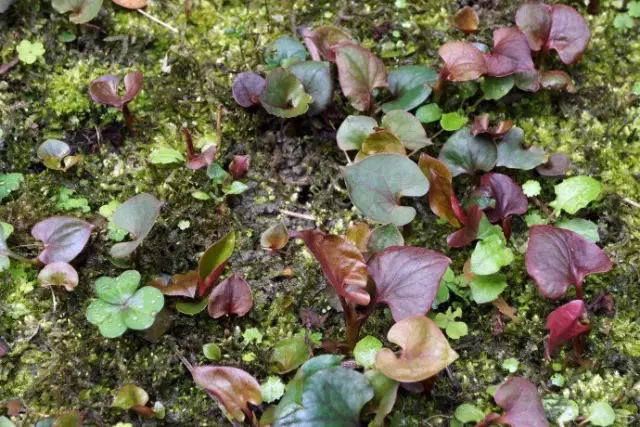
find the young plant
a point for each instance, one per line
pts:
(521, 403)
(104, 90)
(55, 155)
(137, 216)
(565, 323)
(132, 397)
(82, 11)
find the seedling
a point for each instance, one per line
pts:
(132, 397)
(82, 11)
(137, 216)
(55, 155)
(28, 52)
(104, 90)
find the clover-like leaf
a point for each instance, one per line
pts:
(407, 279)
(63, 237)
(381, 141)
(320, 41)
(247, 88)
(130, 395)
(564, 324)
(284, 52)
(137, 215)
(284, 94)
(512, 155)
(342, 263)
(275, 237)
(316, 79)
(481, 126)
(376, 184)
(385, 392)
(104, 89)
(466, 19)
(558, 27)
(510, 53)
(233, 387)
(288, 354)
(353, 131)
(557, 165)
(359, 72)
(558, 258)
(464, 61)
(82, 11)
(213, 260)
(440, 188)
(465, 153)
(508, 196)
(410, 87)
(59, 274)
(425, 351)
(231, 296)
(575, 193)
(383, 237)
(407, 128)
(333, 396)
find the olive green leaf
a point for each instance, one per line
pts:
(410, 87)
(284, 94)
(465, 153)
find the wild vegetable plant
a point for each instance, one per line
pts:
(104, 90)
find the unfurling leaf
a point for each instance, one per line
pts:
(557, 165)
(564, 324)
(239, 166)
(510, 53)
(466, 19)
(213, 260)
(137, 215)
(320, 41)
(481, 126)
(410, 87)
(316, 79)
(512, 155)
(469, 232)
(59, 274)
(275, 237)
(376, 184)
(233, 387)
(558, 258)
(464, 61)
(407, 279)
(359, 72)
(53, 151)
(63, 237)
(231, 296)
(509, 198)
(342, 264)
(407, 128)
(425, 351)
(575, 193)
(247, 88)
(353, 131)
(385, 393)
(129, 396)
(284, 94)
(440, 188)
(104, 89)
(465, 153)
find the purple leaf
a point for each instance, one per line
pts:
(564, 325)
(247, 88)
(464, 61)
(239, 166)
(558, 258)
(481, 126)
(407, 279)
(104, 89)
(510, 53)
(231, 296)
(469, 232)
(557, 165)
(522, 406)
(510, 200)
(63, 237)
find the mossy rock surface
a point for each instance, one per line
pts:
(60, 362)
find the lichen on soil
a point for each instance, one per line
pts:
(60, 362)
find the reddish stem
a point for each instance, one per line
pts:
(439, 86)
(128, 117)
(191, 152)
(352, 323)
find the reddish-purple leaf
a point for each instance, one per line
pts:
(557, 165)
(564, 323)
(481, 126)
(510, 53)
(510, 200)
(63, 237)
(233, 387)
(441, 193)
(341, 261)
(558, 258)
(407, 279)
(4, 348)
(204, 159)
(522, 405)
(247, 88)
(555, 79)
(184, 285)
(239, 166)
(464, 61)
(59, 274)
(231, 296)
(534, 20)
(104, 89)
(469, 232)
(322, 39)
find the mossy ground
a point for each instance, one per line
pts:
(60, 362)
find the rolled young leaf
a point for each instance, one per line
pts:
(564, 324)
(284, 95)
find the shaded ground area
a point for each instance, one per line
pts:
(58, 360)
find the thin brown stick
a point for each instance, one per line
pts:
(4, 68)
(297, 215)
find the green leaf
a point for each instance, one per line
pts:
(562, 411)
(384, 236)
(5, 422)
(455, 330)
(381, 141)
(410, 87)
(510, 365)
(118, 290)
(9, 182)
(29, 52)
(429, 113)
(52, 152)
(252, 335)
(288, 354)
(636, 89)
(490, 255)
(512, 155)
(284, 52)
(376, 184)
(236, 187)
(137, 215)
(467, 89)
(107, 317)
(557, 380)
(575, 193)
(165, 156)
(487, 288)
(7, 229)
(452, 121)
(272, 389)
(583, 227)
(601, 414)
(465, 153)
(216, 173)
(284, 95)
(200, 195)
(407, 128)
(331, 397)
(142, 308)
(66, 37)
(216, 255)
(82, 11)
(192, 308)
(317, 82)
(497, 87)
(353, 131)
(385, 392)
(468, 413)
(623, 21)
(365, 351)
(531, 188)
(130, 395)
(633, 9)
(211, 351)
(534, 218)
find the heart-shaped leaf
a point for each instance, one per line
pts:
(322, 39)
(247, 88)
(178, 285)
(512, 155)
(481, 126)
(410, 87)
(342, 263)
(558, 258)
(407, 279)
(485, 289)
(231, 296)
(557, 165)
(82, 11)
(63, 237)
(509, 198)
(233, 387)
(288, 354)
(453, 121)
(465, 153)
(284, 94)
(466, 19)
(407, 128)
(137, 215)
(440, 188)
(527, 80)
(557, 80)
(429, 113)
(425, 351)
(497, 87)
(333, 396)
(353, 131)
(564, 324)
(510, 53)
(359, 72)
(104, 89)
(275, 237)
(383, 237)
(284, 52)
(213, 260)
(464, 61)
(376, 184)
(380, 141)
(59, 274)
(129, 396)
(522, 406)
(317, 82)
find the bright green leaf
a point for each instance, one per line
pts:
(236, 187)
(490, 255)
(211, 351)
(288, 354)
(531, 188)
(29, 52)
(583, 227)
(468, 413)
(272, 389)
(429, 113)
(130, 395)
(365, 351)
(623, 21)
(192, 308)
(165, 156)
(252, 335)
(575, 193)
(455, 330)
(487, 288)
(452, 121)
(385, 392)
(510, 365)
(9, 182)
(601, 414)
